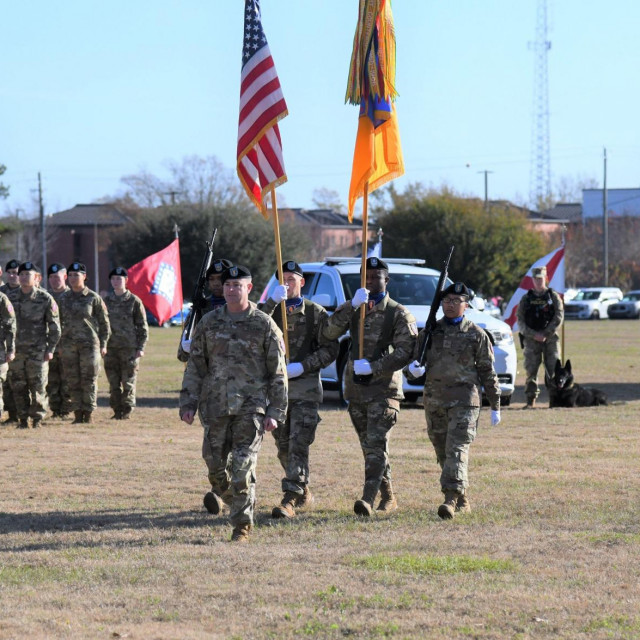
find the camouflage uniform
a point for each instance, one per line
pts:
(85, 331)
(389, 339)
(7, 394)
(307, 346)
(235, 376)
(7, 339)
(459, 360)
(57, 387)
(539, 313)
(129, 334)
(38, 333)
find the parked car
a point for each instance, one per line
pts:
(628, 307)
(181, 316)
(332, 282)
(591, 303)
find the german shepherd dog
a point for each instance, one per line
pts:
(564, 392)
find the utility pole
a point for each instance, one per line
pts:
(486, 187)
(173, 195)
(42, 226)
(605, 222)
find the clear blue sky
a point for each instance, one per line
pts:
(92, 91)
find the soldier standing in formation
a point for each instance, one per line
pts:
(11, 285)
(236, 380)
(459, 360)
(540, 314)
(57, 389)
(85, 333)
(390, 334)
(7, 340)
(309, 352)
(38, 333)
(129, 334)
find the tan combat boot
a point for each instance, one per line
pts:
(86, 417)
(126, 414)
(448, 508)
(531, 403)
(362, 508)
(463, 505)
(286, 509)
(212, 502)
(305, 500)
(78, 417)
(241, 533)
(388, 500)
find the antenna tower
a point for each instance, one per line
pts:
(540, 173)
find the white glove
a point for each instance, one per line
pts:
(360, 297)
(416, 369)
(294, 369)
(362, 367)
(495, 417)
(279, 293)
(186, 345)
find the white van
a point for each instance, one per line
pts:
(592, 303)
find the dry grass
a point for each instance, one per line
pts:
(102, 533)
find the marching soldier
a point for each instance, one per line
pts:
(309, 352)
(12, 285)
(38, 333)
(7, 340)
(374, 397)
(235, 379)
(85, 333)
(129, 334)
(540, 314)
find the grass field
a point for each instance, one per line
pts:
(103, 533)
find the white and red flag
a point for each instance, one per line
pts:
(554, 262)
(157, 281)
(262, 105)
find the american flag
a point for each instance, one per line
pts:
(260, 162)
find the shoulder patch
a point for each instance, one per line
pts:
(54, 306)
(413, 328)
(10, 309)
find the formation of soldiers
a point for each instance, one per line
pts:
(241, 384)
(53, 341)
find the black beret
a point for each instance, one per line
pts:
(12, 264)
(77, 266)
(458, 289)
(377, 263)
(218, 266)
(291, 267)
(55, 267)
(235, 272)
(118, 271)
(28, 266)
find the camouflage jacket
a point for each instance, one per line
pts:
(236, 366)
(558, 313)
(128, 322)
(7, 328)
(85, 318)
(459, 361)
(38, 321)
(307, 346)
(7, 290)
(387, 360)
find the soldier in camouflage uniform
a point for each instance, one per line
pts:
(85, 333)
(57, 388)
(459, 360)
(129, 334)
(236, 380)
(309, 352)
(374, 402)
(7, 340)
(12, 285)
(540, 314)
(38, 333)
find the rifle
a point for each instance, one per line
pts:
(199, 297)
(430, 324)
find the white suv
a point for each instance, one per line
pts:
(332, 282)
(592, 303)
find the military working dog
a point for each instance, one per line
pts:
(564, 392)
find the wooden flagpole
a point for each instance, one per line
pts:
(283, 304)
(363, 268)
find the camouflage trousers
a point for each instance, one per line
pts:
(219, 474)
(57, 388)
(451, 431)
(7, 397)
(81, 364)
(534, 353)
(121, 368)
(243, 434)
(4, 370)
(28, 379)
(293, 440)
(373, 423)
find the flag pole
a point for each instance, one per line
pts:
(363, 268)
(283, 304)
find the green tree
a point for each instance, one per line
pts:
(4, 190)
(493, 247)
